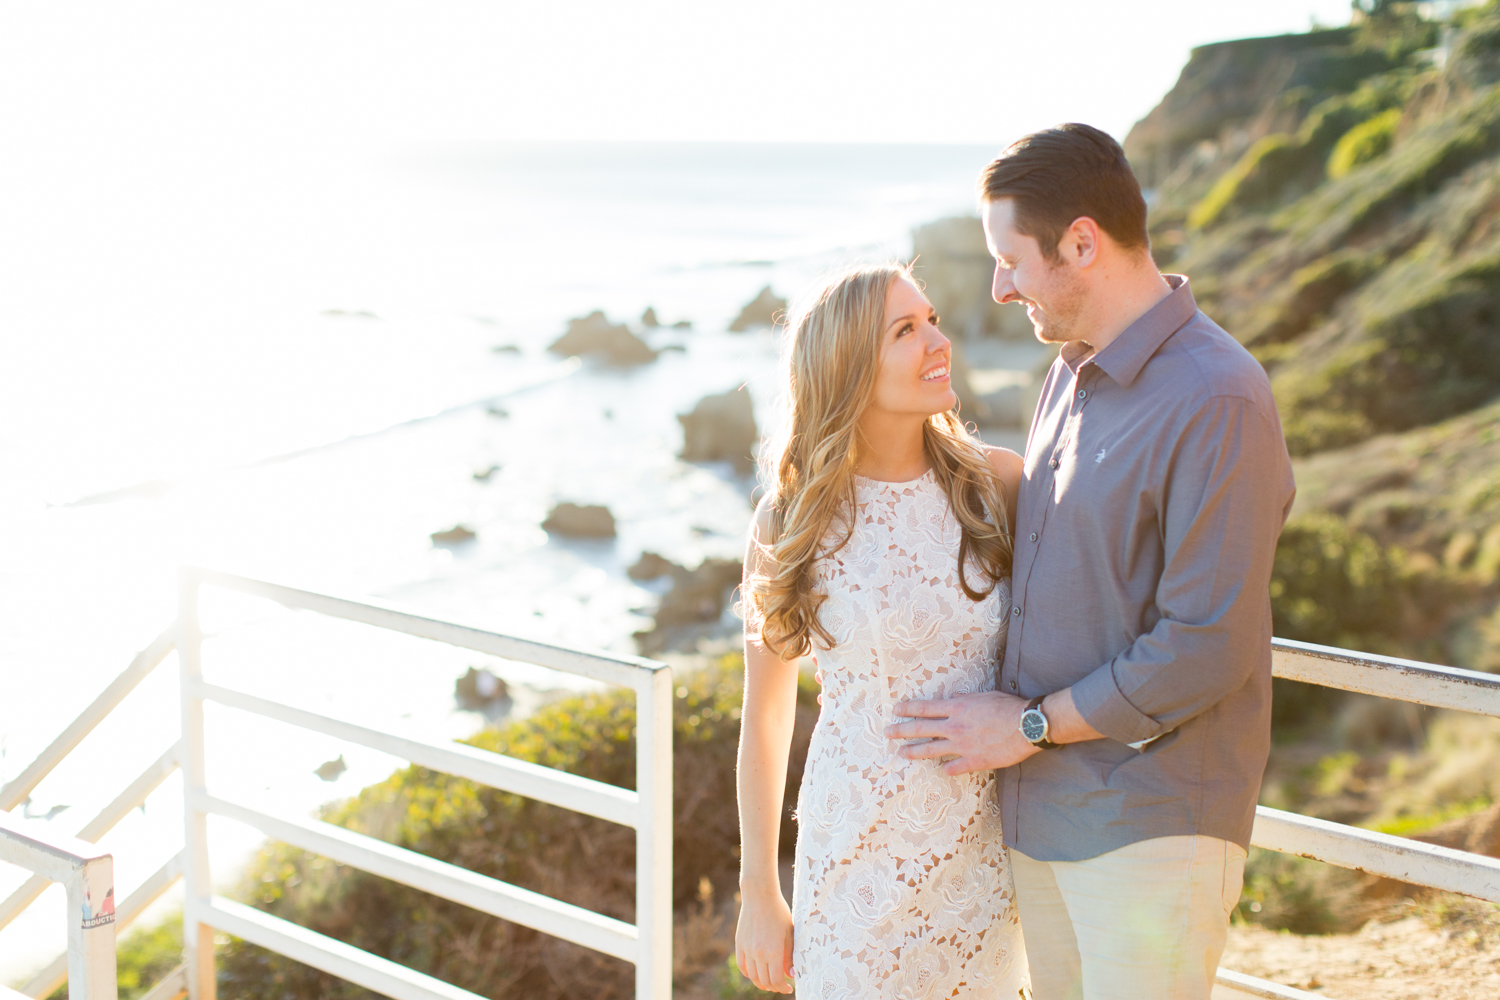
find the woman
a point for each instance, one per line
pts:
(882, 548)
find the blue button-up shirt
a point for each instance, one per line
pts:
(1156, 484)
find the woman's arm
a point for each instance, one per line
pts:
(763, 939)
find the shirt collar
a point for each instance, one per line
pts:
(1128, 353)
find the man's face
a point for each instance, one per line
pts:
(1053, 293)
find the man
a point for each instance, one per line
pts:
(1132, 718)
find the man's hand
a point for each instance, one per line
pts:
(982, 731)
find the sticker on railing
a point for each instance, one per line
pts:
(96, 887)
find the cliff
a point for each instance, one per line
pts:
(1335, 198)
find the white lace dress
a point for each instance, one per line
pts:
(901, 884)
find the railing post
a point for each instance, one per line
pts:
(197, 937)
(653, 837)
(91, 931)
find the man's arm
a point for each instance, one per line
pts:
(1223, 510)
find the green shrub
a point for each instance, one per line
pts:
(1430, 355)
(1311, 293)
(1264, 171)
(563, 854)
(1364, 142)
(1337, 586)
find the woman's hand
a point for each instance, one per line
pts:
(763, 941)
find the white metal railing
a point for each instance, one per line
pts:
(648, 809)
(1364, 850)
(14, 792)
(647, 943)
(89, 877)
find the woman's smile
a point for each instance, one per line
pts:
(938, 374)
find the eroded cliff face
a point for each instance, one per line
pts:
(1335, 197)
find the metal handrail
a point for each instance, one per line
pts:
(647, 943)
(648, 809)
(1399, 858)
(132, 796)
(55, 974)
(15, 791)
(88, 874)
(1387, 677)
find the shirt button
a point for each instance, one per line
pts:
(1083, 394)
(1016, 610)
(1033, 536)
(1012, 685)
(1052, 464)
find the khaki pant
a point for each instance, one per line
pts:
(1145, 922)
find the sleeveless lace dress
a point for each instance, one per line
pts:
(901, 883)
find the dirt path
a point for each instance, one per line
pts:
(1407, 959)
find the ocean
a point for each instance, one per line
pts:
(284, 364)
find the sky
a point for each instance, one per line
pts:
(77, 78)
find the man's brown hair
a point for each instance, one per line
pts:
(1057, 175)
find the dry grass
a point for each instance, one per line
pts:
(1447, 952)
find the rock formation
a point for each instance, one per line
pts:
(721, 428)
(766, 309)
(957, 272)
(573, 520)
(456, 535)
(478, 689)
(596, 335)
(694, 608)
(648, 319)
(650, 566)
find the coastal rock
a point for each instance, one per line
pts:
(506, 349)
(970, 405)
(648, 318)
(957, 274)
(456, 535)
(683, 324)
(573, 520)
(478, 689)
(594, 334)
(650, 566)
(720, 428)
(766, 309)
(483, 475)
(693, 609)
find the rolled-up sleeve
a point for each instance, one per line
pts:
(1221, 508)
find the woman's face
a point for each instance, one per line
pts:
(914, 356)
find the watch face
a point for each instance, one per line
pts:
(1033, 725)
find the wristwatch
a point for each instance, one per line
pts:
(1034, 726)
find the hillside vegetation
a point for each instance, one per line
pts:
(1335, 197)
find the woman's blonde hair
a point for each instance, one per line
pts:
(832, 361)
